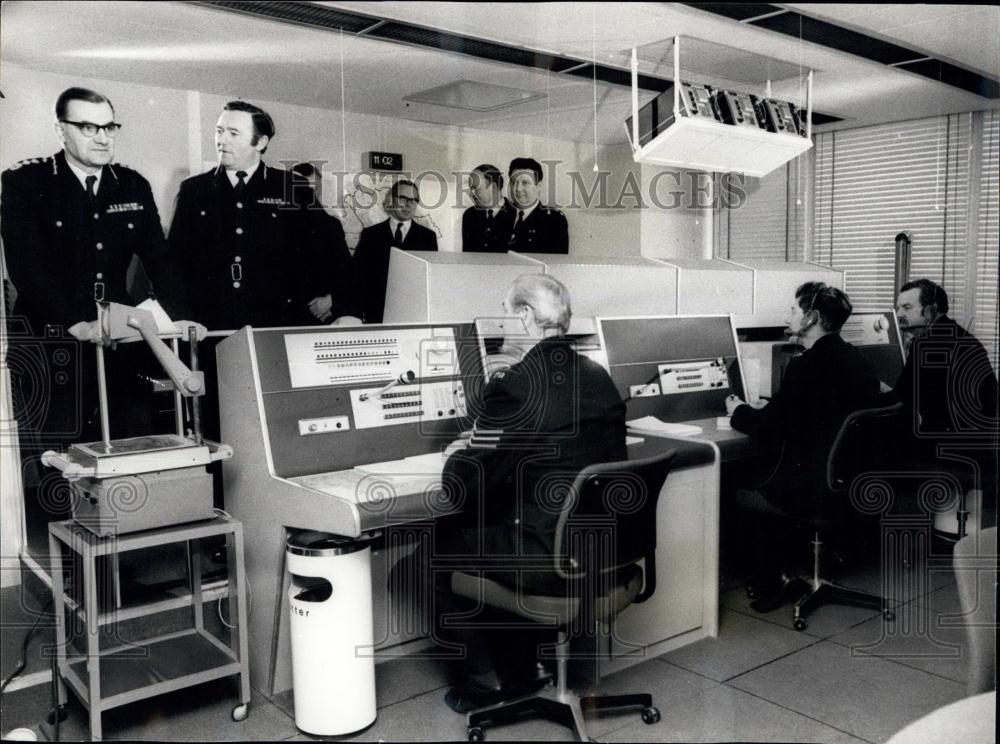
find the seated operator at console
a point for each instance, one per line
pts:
(820, 389)
(553, 412)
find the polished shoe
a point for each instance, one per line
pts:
(470, 696)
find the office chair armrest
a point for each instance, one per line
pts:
(648, 578)
(833, 480)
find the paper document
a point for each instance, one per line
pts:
(653, 425)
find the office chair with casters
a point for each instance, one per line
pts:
(606, 526)
(855, 451)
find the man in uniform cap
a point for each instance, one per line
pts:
(481, 231)
(71, 225)
(531, 226)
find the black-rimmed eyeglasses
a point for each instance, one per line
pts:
(89, 129)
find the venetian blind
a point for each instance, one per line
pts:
(874, 182)
(988, 245)
(758, 222)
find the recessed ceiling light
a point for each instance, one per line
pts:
(468, 94)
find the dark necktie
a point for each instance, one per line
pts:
(517, 224)
(399, 235)
(92, 189)
(241, 183)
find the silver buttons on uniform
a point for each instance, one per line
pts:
(236, 285)
(239, 230)
(100, 275)
(239, 205)
(238, 259)
(99, 246)
(97, 216)
(131, 226)
(58, 223)
(203, 213)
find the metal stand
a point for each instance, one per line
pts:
(159, 664)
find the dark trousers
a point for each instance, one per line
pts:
(484, 645)
(772, 540)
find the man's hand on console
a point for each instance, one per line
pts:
(732, 403)
(463, 442)
(89, 330)
(182, 327)
(320, 307)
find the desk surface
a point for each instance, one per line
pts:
(732, 444)
(391, 497)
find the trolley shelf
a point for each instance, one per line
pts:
(159, 665)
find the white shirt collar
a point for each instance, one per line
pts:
(529, 210)
(82, 176)
(406, 226)
(233, 180)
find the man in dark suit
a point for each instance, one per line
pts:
(71, 224)
(530, 226)
(371, 258)
(829, 381)
(481, 223)
(248, 250)
(947, 387)
(541, 421)
(330, 278)
(949, 394)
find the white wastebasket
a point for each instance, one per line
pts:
(333, 665)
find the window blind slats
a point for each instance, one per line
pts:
(758, 228)
(874, 182)
(985, 324)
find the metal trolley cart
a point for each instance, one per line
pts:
(128, 672)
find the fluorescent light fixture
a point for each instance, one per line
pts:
(473, 96)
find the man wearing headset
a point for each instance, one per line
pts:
(820, 388)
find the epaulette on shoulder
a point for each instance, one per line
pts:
(554, 210)
(30, 161)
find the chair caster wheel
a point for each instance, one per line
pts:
(650, 716)
(799, 624)
(60, 712)
(889, 615)
(477, 734)
(240, 712)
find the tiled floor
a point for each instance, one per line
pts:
(849, 678)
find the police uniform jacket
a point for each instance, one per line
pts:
(371, 265)
(545, 230)
(542, 421)
(251, 260)
(819, 390)
(64, 252)
(483, 232)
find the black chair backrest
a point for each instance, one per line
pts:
(613, 503)
(866, 442)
